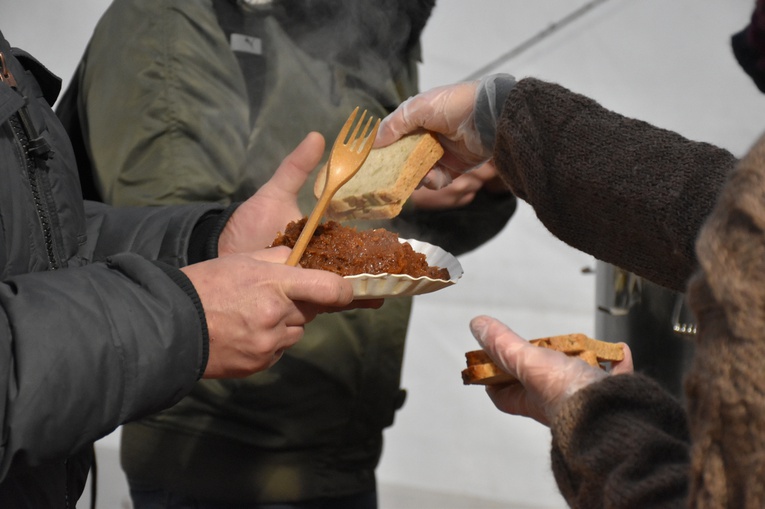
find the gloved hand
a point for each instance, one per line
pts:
(465, 117)
(461, 192)
(548, 378)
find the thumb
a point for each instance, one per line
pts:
(391, 129)
(625, 365)
(409, 116)
(293, 172)
(499, 341)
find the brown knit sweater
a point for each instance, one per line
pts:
(637, 196)
(620, 189)
(726, 385)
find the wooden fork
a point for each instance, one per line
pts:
(345, 160)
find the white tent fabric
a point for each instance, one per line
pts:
(668, 63)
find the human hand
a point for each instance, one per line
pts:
(256, 306)
(450, 111)
(257, 221)
(548, 378)
(461, 191)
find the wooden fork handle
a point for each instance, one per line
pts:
(310, 226)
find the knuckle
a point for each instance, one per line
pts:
(271, 312)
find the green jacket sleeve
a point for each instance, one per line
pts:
(174, 69)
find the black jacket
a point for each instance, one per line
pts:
(97, 324)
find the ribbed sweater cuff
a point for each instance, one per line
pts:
(203, 244)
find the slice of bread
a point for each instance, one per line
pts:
(574, 344)
(481, 370)
(487, 373)
(385, 181)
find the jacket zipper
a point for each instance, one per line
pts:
(34, 148)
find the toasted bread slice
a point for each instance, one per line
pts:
(474, 357)
(486, 374)
(566, 343)
(481, 370)
(386, 179)
(589, 357)
(605, 351)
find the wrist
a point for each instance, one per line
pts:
(215, 234)
(491, 95)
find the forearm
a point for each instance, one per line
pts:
(149, 351)
(619, 189)
(622, 443)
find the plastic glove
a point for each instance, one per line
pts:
(461, 192)
(548, 378)
(464, 115)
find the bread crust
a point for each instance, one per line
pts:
(481, 370)
(386, 179)
(487, 373)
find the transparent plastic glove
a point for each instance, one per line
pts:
(548, 378)
(452, 112)
(461, 192)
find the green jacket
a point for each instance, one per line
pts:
(167, 116)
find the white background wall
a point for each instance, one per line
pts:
(668, 63)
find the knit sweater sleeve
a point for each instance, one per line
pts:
(621, 443)
(620, 189)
